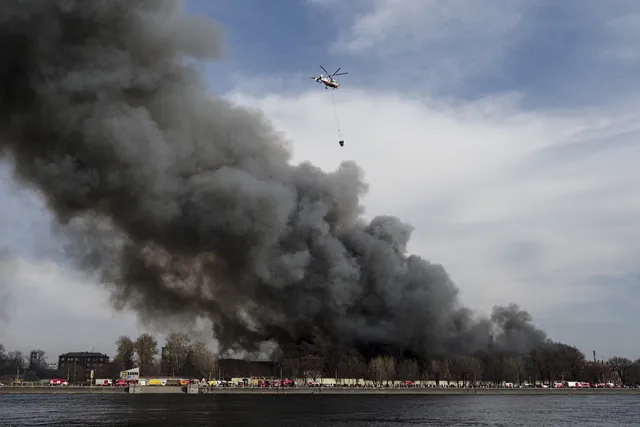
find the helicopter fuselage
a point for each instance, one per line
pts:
(329, 82)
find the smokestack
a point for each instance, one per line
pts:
(594, 356)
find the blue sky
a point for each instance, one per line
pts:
(555, 53)
(509, 131)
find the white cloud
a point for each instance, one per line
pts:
(478, 178)
(429, 21)
(58, 310)
(444, 41)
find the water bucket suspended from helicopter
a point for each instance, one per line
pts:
(330, 82)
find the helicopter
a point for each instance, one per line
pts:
(328, 81)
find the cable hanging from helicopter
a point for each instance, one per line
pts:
(330, 82)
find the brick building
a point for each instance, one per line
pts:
(77, 366)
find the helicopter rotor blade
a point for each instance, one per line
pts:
(340, 74)
(335, 72)
(323, 69)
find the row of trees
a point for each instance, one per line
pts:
(548, 362)
(180, 356)
(12, 361)
(498, 368)
(15, 362)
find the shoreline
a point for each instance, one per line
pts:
(426, 392)
(322, 391)
(60, 390)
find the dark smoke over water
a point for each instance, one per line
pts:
(188, 206)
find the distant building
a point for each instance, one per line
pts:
(238, 368)
(77, 366)
(34, 359)
(85, 359)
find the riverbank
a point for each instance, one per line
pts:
(61, 390)
(427, 391)
(321, 391)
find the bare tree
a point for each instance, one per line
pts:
(513, 369)
(433, 370)
(125, 353)
(466, 368)
(146, 348)
(376, 369)
(291, 366)
(408, 370)
(202, 360)
(312, 366)
(382, 368)
(352, 365)
(312, 359)
(4, 360)
(16, 361)
(475, 369)
(620, 365)
(541, 363)
(389, 368)
(633, 373)
(332, 358)
(457, 367)
(446, 368)
(39, 360)
(563, 361)
(177, 348)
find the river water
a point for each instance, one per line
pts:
(316, 411)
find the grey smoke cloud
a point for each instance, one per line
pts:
(188, 205)
(7, 273)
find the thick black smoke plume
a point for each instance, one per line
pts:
(190, 206)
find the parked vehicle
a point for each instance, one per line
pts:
(58, 382)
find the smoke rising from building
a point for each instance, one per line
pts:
(188, 206)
